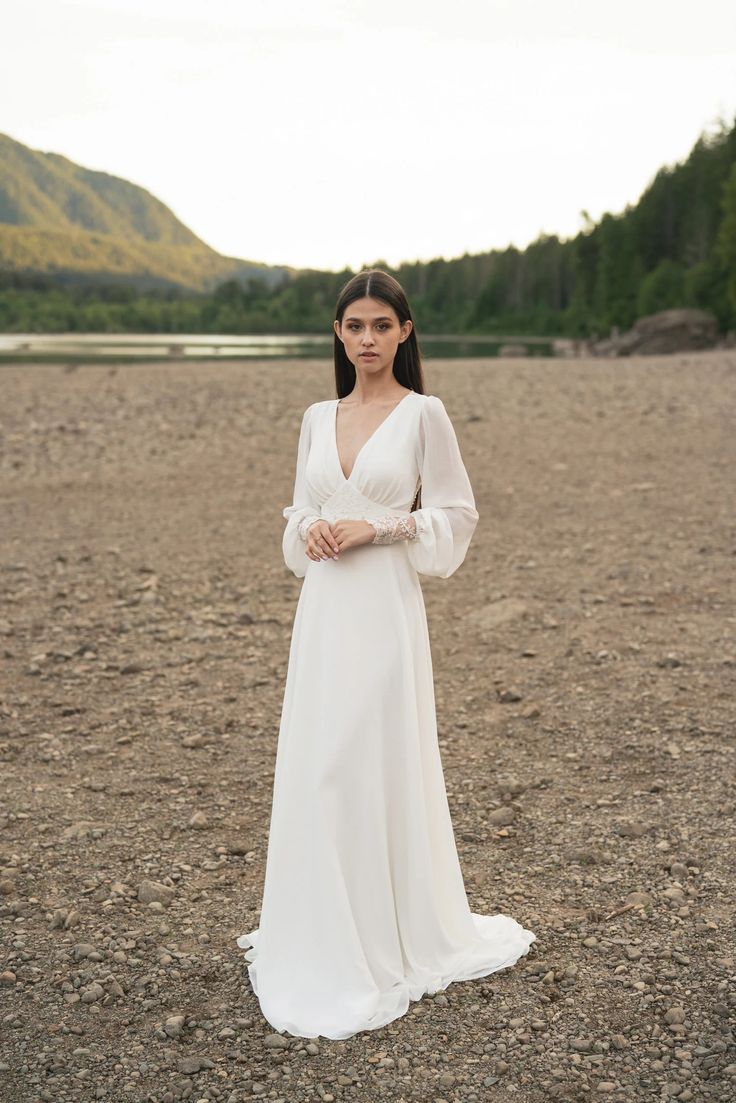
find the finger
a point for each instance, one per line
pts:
(326, 550)
(315, 548)
(321, 548)
(325, 533)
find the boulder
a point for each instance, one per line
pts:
(677, 330)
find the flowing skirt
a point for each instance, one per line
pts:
(364, 905)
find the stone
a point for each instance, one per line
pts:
(92, 994)
(502, 816)
(189, 1065)
(276, 1041)
(632, 830)
(674, 330)
(153, 891)
(497, 612)
(584, 855)
(640, 899)
(83, 950)
(513, 349)
(174, 1026)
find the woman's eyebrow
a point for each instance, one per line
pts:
(383, 318)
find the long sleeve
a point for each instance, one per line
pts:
(446, 522)
(302, 508)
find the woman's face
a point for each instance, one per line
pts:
(371, 334)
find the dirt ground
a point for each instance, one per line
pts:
(584, 662)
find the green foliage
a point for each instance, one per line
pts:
(726, 241)
(61, 218)
(675, 247)
(662, 288)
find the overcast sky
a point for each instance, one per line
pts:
(331, 133)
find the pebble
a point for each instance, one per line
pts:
(154, 892)
(190, 1065)
(276, 1041)
(632, 830)
(502, 816)
(174, 1025)
(508, 695)
(83, 950)
(92, 994)
(640, 899)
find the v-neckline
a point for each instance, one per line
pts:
(364, 445)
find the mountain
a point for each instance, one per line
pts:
(60, 218)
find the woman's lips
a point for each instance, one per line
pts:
(369, 355)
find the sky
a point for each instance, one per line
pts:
(335, 134)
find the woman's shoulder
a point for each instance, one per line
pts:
(432, 404)
(316, 407)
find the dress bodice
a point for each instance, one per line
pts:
(385, 475)
(415, 445)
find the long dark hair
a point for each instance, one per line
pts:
(375, 284)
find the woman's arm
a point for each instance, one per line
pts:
(446, 522)
(440, 532)
(303, 512)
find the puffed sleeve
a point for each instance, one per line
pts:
(293, 544)
(446, 522)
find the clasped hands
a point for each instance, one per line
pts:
(326, 541)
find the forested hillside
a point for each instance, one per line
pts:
(675, 247)
(76, 224)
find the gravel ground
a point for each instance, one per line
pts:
(584, 666)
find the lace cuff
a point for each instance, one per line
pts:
(304, 525)
(390, 529)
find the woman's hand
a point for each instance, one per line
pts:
(325, 541)
(351, 534)
(320, 541)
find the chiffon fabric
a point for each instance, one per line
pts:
(364, 906)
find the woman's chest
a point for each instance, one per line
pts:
(384, 468)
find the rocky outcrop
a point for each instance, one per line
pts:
(675, 330)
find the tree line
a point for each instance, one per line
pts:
(676, 247)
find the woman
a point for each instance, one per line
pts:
(364, 905)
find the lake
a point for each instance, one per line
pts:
(134, 346)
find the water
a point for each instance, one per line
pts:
(197, 346)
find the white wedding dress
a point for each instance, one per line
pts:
(364, 905)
